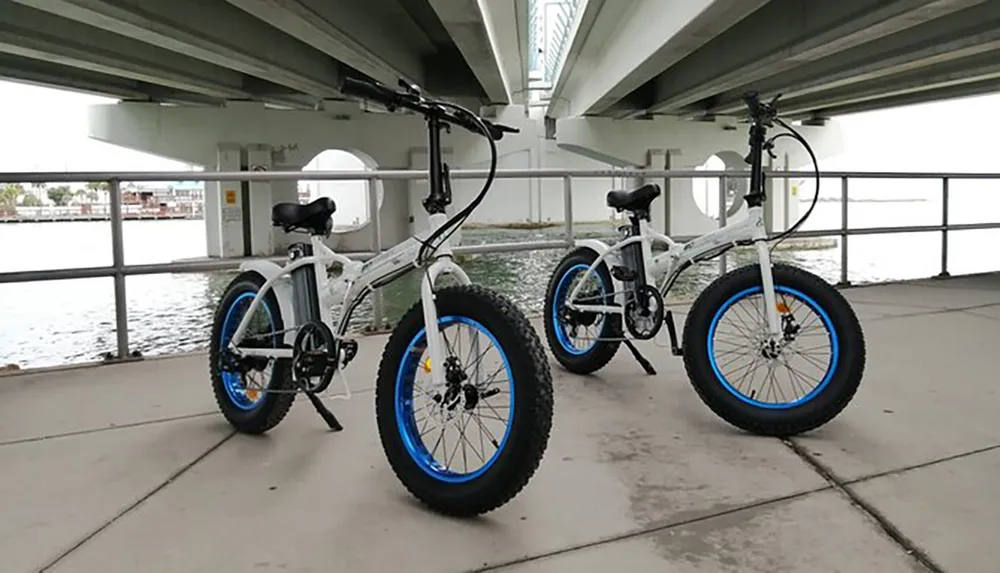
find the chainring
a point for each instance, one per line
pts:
(644, 325)
(314, 354)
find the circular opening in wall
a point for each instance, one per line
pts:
(706, 189)
(351, 197)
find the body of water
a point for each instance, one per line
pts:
(59, 322)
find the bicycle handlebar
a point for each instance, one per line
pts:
(761, 113)
(411, 99)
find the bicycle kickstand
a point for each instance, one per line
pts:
(640, 358)
(321, 408)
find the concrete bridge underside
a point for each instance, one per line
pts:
(694, 58)
(622, 59)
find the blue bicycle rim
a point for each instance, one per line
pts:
(405, 416)
(557, 299)
(231, 380)
(834, 352)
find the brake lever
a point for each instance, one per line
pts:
(769, 147)
(501, 127)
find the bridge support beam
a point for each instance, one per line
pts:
(240, 136)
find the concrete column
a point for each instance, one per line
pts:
(260, 202)
(284, 192)
(231, 203)
(213, 219)
(770, 206)
(660, 209)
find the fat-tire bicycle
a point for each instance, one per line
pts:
(788, 314)
(501, 414)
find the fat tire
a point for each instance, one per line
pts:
(274, 407)
(603, 350)
(775, 422)
(532, 423)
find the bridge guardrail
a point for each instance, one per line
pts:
(119, 270)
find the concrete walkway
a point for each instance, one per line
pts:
(129, 468)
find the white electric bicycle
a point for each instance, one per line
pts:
(758, 317)
(463, 435)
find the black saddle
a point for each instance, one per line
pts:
(634, 200)
(313, 216)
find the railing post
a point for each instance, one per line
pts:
(376, 223)
(944, 231)
(118, 262)
(568, 208)
(843, 231)
(722, 219)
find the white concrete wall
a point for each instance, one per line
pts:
(293, 138)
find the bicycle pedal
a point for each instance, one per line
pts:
(350, 350)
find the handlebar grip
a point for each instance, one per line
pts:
(497, 130)
(368, 90)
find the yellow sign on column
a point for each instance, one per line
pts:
(230, 197)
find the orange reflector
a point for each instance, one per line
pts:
(783, 308)
(252, 394)
(427, 365)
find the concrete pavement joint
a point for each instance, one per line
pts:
(663, 526)
(933, 462)
(135, 504)
(894, 533)
(970, 313)
(105, 429)
(963, 310)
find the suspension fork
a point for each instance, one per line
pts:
(770, 302)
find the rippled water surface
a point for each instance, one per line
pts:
(58, 322)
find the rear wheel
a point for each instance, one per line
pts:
(243, 389)
(799, 385)
(470, 446)
(572, 335)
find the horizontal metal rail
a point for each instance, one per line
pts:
(119, 270)
(417, 175)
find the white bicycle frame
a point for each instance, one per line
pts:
(355, 281)
(677, 257)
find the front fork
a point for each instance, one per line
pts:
(770, 303)
(435, 343)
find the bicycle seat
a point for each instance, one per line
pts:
(314, 216)
(634, 200)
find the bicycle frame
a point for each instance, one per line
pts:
(356, 281)
(678, 257)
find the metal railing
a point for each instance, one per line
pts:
(119, 270)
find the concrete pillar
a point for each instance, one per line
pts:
(213, 219)
(284, 192)
(770, 205)
(660, 210)
(231, 204)
(260, 202)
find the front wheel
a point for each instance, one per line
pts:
(471, 445)
(799, 384)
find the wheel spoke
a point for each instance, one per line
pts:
(739, 349)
